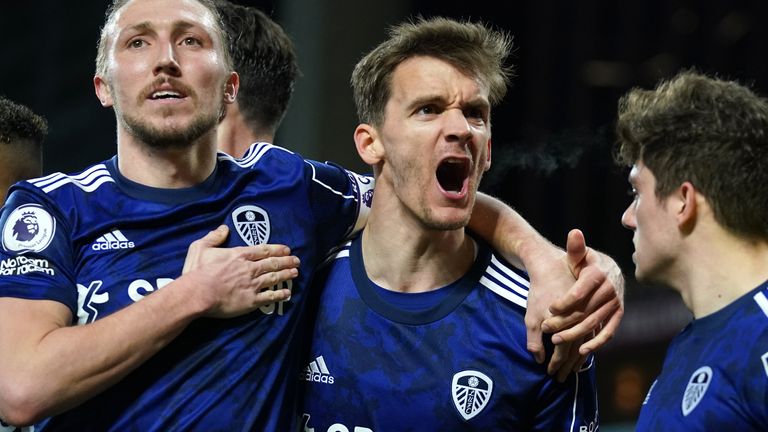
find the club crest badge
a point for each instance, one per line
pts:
(471, 391)
(29, 228)
(252, 223)
(697, 386)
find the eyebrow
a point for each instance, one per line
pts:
(147, 27)
(478, 103)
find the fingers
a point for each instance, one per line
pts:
(573, 360)
(565, 359)
(264, 251)
(213, 238)
(590, 279)
(559, 356)
(604, 335)
(581, 305)
(271, 271)
(534, 338)
(591, 323)
(273, 264)
(269, 296)
(576, 251)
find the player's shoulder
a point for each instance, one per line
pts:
(258, 155)
(508, 283)
(85, 181)
(336, 255)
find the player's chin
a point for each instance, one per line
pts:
(447, 219)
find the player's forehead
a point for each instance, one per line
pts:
(156, 14)
(639, 174)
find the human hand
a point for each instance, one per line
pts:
(551, 275)
(592, 308)
(233, 281)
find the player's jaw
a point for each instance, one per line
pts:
(168, 115)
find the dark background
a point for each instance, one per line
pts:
(552, 135)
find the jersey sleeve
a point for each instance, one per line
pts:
(340, 201)
(36, 253)
(572, 405)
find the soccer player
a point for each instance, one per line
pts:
(420, 326)
(264, 57)
(105, 322)
(698, 148)
(22, 133)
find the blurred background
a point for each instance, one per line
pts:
(552, 137)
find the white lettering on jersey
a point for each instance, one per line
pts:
(317, 371)
(87, 297)
(269, 309)
(697, 386)
(336, 427)
(112, 240)
(22, 265)
(764, 358)
(141, 288)
(90, 296)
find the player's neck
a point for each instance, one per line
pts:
(719, 270)
(173, 168)
(401, 256)
(234, 136)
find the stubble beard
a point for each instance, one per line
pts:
(433, 223)
(169, 138)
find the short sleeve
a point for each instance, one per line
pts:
(36, 253)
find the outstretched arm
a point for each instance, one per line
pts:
(44, 371)
(596, 297)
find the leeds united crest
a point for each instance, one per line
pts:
(697, 386)
(471, 392)
(252, 223)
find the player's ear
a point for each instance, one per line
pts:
(686, 206)
(231, 87)
(368, 145)
(488, 158)
(103, 92)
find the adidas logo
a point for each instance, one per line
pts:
(112, 240)
(317, 371)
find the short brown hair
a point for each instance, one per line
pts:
(471, 47)
(710, 132)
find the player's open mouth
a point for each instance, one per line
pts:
(166, 94)
(167, 91)
(452, 174)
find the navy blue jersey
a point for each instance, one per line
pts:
(715, 375)
(98, 242)
(453, 359)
